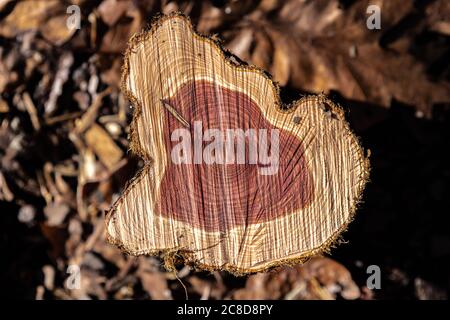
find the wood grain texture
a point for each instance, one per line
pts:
(228, 217)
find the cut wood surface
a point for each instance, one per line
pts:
(229, 216)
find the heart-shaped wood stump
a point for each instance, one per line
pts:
(232, 179)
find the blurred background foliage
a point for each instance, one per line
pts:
(64, 149)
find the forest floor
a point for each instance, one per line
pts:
(60, 98)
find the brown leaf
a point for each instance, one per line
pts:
(334, 277)
(319, 46)
(319, 278)
(438, 17)
(112, 10)
(48, 16)
(153, 281)
(116, 38)
(281, 67)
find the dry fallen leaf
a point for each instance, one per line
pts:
(320, 46)
(47, 16)
(319, 278)
(153, 281)
(112, 10)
